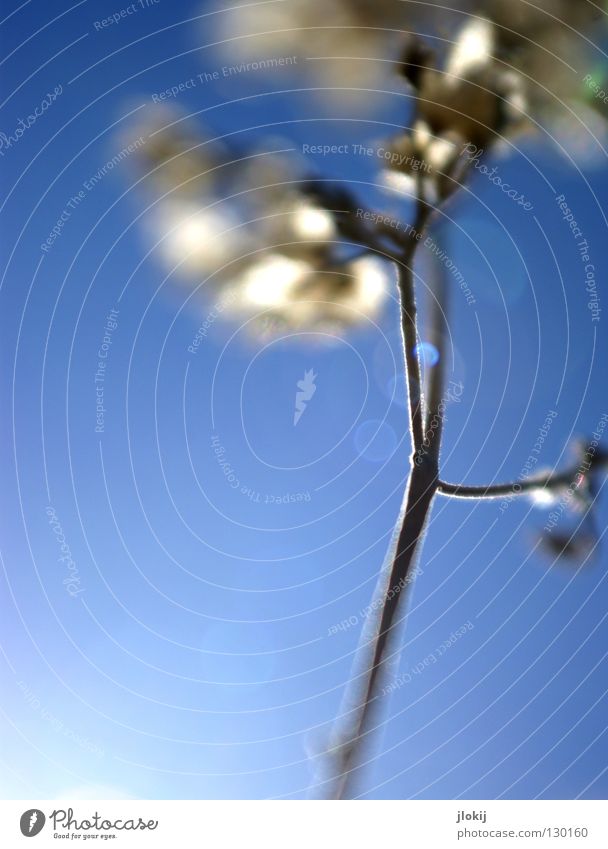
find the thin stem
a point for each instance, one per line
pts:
(423, 480)
(433, 426)
(438, 329)
(412, 363)
(407, 538)
(456, 490)
(408, 320)
(369, 232)
(547, 481)
(396, 576)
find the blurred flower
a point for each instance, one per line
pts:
(195, 240)
(257, 228)
(501, 73)
(546, 45)
(356, 44)
(296, 226)
(338, 44)
(273, 281)
(253, 220)
(574, 495)
(543, 498)
(325, 300)
(459, 104)
(582, 496)
(175, 158)
(464, 98)
(577, 546)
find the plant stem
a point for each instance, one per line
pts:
(395, 578)
(421, 486)
(412, 363)
(548, 481)
(433, 429)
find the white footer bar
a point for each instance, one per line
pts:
(305, 824)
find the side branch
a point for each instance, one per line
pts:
(549, 481)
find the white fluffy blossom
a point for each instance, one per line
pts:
(255, 232)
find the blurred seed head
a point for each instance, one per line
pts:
(257, 229)
(176, 157)
(570, 546)
(353, 40)
(249, 220)
(197, 241)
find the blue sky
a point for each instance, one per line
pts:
(195, 660)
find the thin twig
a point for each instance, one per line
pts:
(409, 328)
(438, 332)
(433, 425)
(352, 726)
(548, 481)
(409, 533)
(412, 362)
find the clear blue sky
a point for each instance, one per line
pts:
(195, 661)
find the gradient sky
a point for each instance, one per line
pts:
(197, 660)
